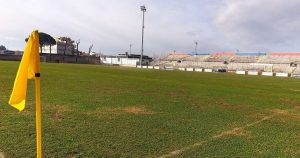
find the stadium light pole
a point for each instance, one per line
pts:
(143, 9)
(77, 51)
(196, 46)
(130, 45)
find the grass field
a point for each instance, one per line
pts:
(99, 111)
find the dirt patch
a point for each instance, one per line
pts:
(1, 154)
(287, 115)
(175, 95)
(292, 152)
(115, 90)
(238, 131)
(118, 111)
(226, 105)
(59, 110)
(279, 111)
(295, 90)
(138, 110)
(290, 102)
(57, 116)
(293, 116)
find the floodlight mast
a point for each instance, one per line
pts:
(143, 9)
(130, 45)
(196, 48)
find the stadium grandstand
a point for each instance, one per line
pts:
(220, 57)
(277, 62)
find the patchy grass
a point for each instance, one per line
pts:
(99, 111)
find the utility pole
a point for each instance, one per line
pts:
(143, 9)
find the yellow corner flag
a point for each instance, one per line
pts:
(29, 69)
(29, 66)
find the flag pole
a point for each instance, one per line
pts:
(38, 116)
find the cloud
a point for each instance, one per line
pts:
(111, 25)
(260, 24)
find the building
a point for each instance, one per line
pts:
(7, 52)
(59, 48)
(130, 60)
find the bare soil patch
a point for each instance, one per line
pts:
(226, 105)
(290, 102)
(294, 152)
(1, 154)
(118, 111)
(279, 111)
(138, 110)
(58, 112)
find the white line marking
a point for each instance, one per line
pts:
(179, 151)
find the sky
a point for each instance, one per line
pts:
(170, 25)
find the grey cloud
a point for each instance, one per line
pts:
(257, 24)
(111, 25)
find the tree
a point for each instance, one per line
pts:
(2, 47)
(68, 43)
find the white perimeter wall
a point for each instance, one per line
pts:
(189, 69)
(282, 74)
(120, 61)
(208, 70)
(252, 73)
(198, 70)
(241, 72)
(267, 73)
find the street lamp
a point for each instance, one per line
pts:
(143, 9)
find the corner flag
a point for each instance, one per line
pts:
(29, 69)
(29, 66)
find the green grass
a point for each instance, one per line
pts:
(99, 111)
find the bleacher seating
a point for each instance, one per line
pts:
(272, 62)
(245, 59)
(197, 58)
(281, 58)
(286, 68)
(297, 70)
(175, 56)
(220, 57)
(245, 67)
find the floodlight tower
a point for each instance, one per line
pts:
(77, 51)
(196, 46)
(130, 45)
(143, 9)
